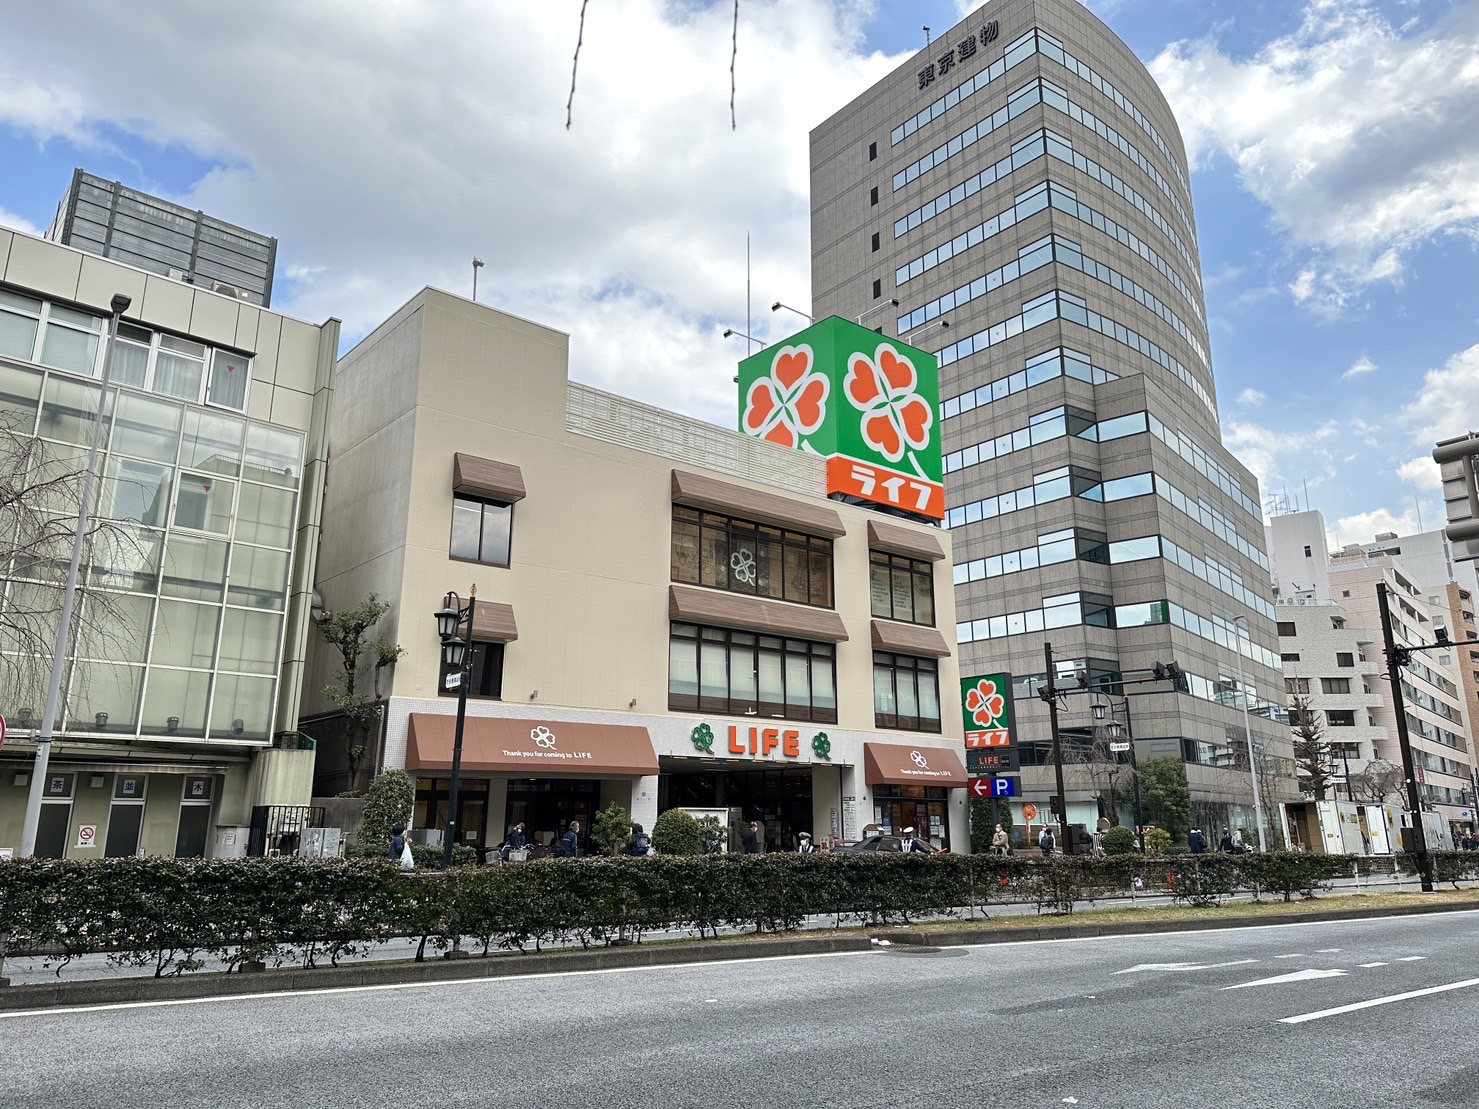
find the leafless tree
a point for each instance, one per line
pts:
(1379, 782)
(1107, 776)
(40, 494)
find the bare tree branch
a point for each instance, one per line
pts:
(575, 63)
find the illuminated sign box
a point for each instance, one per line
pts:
(866, 403)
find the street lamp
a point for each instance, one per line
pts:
(1114, 730)
(1248, 733)
(777, 306)
(457, 654)
(892, 302)
(32, 820)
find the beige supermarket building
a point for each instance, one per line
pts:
(668, 613)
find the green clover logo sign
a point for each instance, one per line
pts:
(822, 746)
(703, 739)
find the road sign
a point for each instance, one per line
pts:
(1119, 748)
(993, 787)
(980, 787)
(993, 761)
(1029, 813)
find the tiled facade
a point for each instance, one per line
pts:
(1020, 188)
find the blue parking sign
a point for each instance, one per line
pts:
(1004, 787)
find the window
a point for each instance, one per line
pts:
(739, 556)
(872, 151)
(1307, 553)
(742, 673)
(481, 529)
(873, 195)
(1286, 627)
(875, 240)
(1345, 658)
(1340, 718)
(1289, 657)
(1337, 623)
(906, 693)
(1296, 685)
(902, 588)
(204, 503)
(1345, 592)
(877, 288)
(1335, 685)
(487, 673)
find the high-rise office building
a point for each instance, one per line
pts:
(110, 220)
(1016, 199)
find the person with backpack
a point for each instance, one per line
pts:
(1047, 843)
(640, 844)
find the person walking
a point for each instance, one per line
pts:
(1237, 842)
(1000, 841)
(516, 841)
(1196, 841)
(911, 846)
(805, 846)
(750, 841)
(1225, 845)
(640, 844)
(1047, 843)
(400, 848)
(570, 841)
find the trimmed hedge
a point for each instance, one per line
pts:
(172, 914)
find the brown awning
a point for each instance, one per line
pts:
(913, 542)
(735, 610)
(702, 491)
(892, 764)
(909, 639)
(494, 623)
(483, 476)
(530, 748)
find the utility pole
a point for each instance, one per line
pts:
(1397, 659)
(1050, 695)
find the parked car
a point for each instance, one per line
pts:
(880, 843)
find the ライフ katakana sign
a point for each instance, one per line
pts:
(986, 702)
(866, 403)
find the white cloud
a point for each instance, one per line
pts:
(1448, 403)
(1422, 472)
(1363, 365)
(18, 223)
(1282, 457)
(1362, 138)
(1251, 398)
(1363, 527)
(386, 143)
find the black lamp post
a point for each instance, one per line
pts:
(457, 654)
(1114, 729)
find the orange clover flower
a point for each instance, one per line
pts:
(894, 415)
(790, 402)
(984, 703)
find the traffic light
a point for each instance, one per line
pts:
(1083, 679)
(1177, 677)
(1440, 636)
(1159, 671)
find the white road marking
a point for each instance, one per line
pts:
(1297, 976)
(1379, 1001)
(1412, 958)
(1327, 951)
(1297, 955)
(1368, 965)
(1183, 966)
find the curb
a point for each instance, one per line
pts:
(197, 986)
(975, 937)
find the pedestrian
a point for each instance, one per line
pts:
(1237, 841)
(570, 841)
(750, 841)
(1225, 845)
(1000, 841)
(911, 846)
(1196, 841)
(805, 846)
(1046, 843)
(515, 841)
(640, 844)
(400, 848)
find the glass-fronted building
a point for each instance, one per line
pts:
(1016, 199)
(189, 629)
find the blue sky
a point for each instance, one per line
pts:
(1336, 178)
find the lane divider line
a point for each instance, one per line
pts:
(1375, 1001)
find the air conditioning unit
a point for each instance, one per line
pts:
(182, 275)
(228, 290)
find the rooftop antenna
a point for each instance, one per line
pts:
(1418, 504)
(749, 321)
(1306, 493)
(926, 37)
(477, 264)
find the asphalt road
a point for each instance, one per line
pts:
(1252, 1017)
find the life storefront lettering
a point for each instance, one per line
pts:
(873, 483)
(765, 741)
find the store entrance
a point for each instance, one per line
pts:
(546, 806)
(432, 796)
(780, 798)
(922, 808)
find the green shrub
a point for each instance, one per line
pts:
(430, 858)
(612, 830)
(390, 801)
(712, 835)
(1157, 841)
(1119, 840)
(677, 833)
